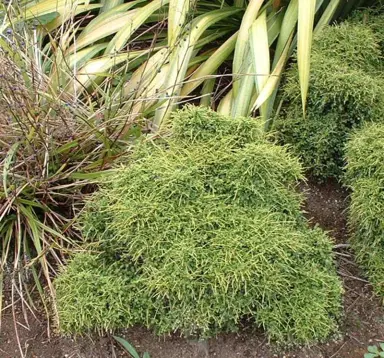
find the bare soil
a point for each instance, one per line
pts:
(362, 325)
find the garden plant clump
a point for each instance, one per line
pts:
(145, 57)
(365, 176)
(346, 90)
(200, 232)
(52, 148)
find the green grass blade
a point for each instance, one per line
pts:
(7, 166)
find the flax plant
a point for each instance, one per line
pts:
(166, 50)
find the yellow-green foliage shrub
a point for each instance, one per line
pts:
(346, 89)
(374, 19)
(200, 232)
(365, 176)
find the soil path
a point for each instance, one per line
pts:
(363, 322)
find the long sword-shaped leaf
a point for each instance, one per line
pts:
(59, 20)
(327, 15)
(274, 22)
(147, 99)
(225, 104)
(287, 27)
(222, 53)
(143, 76)
(243, 41)
(239, 3)
(242, 102)
(132, 24)
(105, 16)
(287, 30)
(274, 78)
(260, 54)
(79, 58)
(182, 55)
(210, 66)
(207, 91)
(178, 11)
(49, 6)
(109, 26)
(94, 68)
(307, 10)
(262, 34)
(110, 4)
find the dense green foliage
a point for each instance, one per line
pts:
(365, 176)
(346, 89)
(198, 233)
(372, 18)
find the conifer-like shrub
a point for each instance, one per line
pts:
(198, 233)
(373, 18)
(365, 176)
(346, 89)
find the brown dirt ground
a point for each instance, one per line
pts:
(363, 322)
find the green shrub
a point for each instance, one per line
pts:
(346, 89)
(202, 233)
(374, 19)
(365, 176)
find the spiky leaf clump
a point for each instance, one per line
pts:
(346, 89)
(365, 175)
(199, 233)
